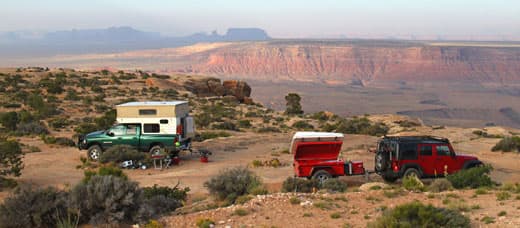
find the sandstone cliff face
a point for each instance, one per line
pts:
(208, 87)
(339, 63)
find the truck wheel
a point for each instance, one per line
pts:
(321, 175)
(94, 152)
(389, 179)
(156, 150)
(412, 172)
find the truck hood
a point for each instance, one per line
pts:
(95, 134)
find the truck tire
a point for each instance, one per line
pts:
(156, 150)
(412, 172)
(321, 175)
(94, 152)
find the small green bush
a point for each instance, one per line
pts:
(232, 183)
(104, 171)
(33, 207)
(416, 214)
(244, 124)
(205, 223)
(294, 184)
(120, 153)
(243, 199)
(440, 185)
(501, 196)
(302, 125)
(412, 183)
(335, 215)
(294, 200)
(472, 178)
(226, 126)
(241, 212)
(335, 185)
(212, 134)
(508, 144)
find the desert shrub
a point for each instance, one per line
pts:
(440, 185)
(33, 207)
(360, 126)
(171, 193)
(212, 134)
(62, 141)
(268, 129)
(107, 200)
(244, 123)
(120, 153)
(203, 119)
(294, 184)
(232, 183)
(11, 155)
(84, 128)
(293, 106)
(12, 105)
(302, 124)
(508, 144)
(107, 120)
(243, 199)
(205, 223)
(6, 183)
(472, 178)
(104, 171)
(416, 214)
(226, 126)
(58, 123)
(9, 120)
(294, 200)
(32, 128)
(412, 183)
(335, 185)
(501, 196)
(407, 123)
(240, 212)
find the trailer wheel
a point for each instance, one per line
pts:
(94, 152)
(156, 150)
(321, 175)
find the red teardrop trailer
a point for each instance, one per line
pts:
(316, 156)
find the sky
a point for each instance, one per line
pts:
(471, 19)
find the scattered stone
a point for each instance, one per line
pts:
(366, 187)
(306, 203)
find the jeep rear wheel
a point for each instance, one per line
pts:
(412, 172)
(321, 176)
(94, 152)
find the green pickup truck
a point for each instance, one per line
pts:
(126, 134)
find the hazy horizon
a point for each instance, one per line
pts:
(401, 19)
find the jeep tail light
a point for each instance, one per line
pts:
(395, 167)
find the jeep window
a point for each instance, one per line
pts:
(388, 147)
(151, 128)
(426, 150)
(408, 151)
(131, 130)
(147, 112)
(443, 150)
(118, 130)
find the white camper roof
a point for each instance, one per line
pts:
(152, 103)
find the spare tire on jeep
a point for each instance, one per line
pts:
(381, 161)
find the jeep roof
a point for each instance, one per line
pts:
(416, 139)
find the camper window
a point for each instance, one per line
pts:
(164, 121)
(151, 128)
(147, 112)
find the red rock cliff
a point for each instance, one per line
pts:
(337, 62)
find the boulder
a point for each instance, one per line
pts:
(239, 89)
(205, 87)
